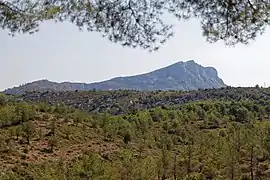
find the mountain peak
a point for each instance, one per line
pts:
(191, 61)
(179, 76)
(184, 62)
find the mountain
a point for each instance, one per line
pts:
(179, 76)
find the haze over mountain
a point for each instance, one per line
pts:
(179, 76)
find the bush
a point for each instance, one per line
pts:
(60, 108)
(127, 137)
(67, 130)
(53, 127)
(3, 100)
(43, 107)
(52, 143)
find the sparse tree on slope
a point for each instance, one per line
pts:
(140, 23)
(29, 131)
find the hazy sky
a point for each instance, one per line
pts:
(59, 52)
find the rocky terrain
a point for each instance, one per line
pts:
(123, 101)
(179, 76)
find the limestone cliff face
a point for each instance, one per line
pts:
(179, 76)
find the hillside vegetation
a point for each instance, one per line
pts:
(205, 138)
(125, 101)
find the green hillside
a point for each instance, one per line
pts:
(204, 139)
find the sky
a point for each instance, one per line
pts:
(60, 52)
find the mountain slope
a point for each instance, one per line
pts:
(179, 76)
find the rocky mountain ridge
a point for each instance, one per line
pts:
(179, 76)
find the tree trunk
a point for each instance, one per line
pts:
(232, 168)
(238, 147)
(28, 140)
(174, 168)
(251, 162)
(189, 161)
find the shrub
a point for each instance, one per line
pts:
(127, 137)
(52, 143)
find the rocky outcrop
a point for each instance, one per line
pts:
(179, 76)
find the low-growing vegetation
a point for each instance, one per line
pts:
(125, 101)
(204, 139)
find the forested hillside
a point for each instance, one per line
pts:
(211, 138)
(124, 101)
